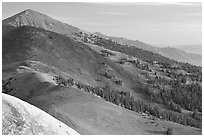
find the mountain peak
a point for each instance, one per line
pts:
(30, 11)
(22, 18)
(36, 19)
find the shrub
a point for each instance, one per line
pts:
(169, 131)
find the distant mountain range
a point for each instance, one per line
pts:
(196, 48)
(179, 54)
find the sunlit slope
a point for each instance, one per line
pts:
(35, 19)
(21, 118)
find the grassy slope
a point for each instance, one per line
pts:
(76, 59)
(88, 114)
(57, 54)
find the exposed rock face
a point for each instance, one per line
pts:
(21, 118)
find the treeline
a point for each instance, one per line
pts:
(164, 97)
(187, 96)
(140, 53)
(124, 99)
(6, 85)
(180, 94)
(107, 53)
(194, 74)
(105, 71)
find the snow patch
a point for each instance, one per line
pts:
(37, 115)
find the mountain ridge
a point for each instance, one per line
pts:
(33, 18)
(179, 54)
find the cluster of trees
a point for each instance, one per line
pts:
(117, 81)
(191, 68)
(187, 96)
(122, 61)
(107, 75)
(64, 82)
(105, 71)
(6, 88)
(136, 63)
(126, 100)
(169, 131)
(195, 72)
(197, 115)
(107, 53)
(164, 97)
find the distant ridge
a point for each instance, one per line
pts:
(169, 52)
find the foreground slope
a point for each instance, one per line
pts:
(85, 112)
(21, 118)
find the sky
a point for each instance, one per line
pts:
(159, 24)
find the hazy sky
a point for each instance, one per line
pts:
(160, 24)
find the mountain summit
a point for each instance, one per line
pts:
(36, 19)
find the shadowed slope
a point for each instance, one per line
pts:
(28, 43)
(56, 51)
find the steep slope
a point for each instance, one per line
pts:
(33, 18)
(172, 53)
(21, 118)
